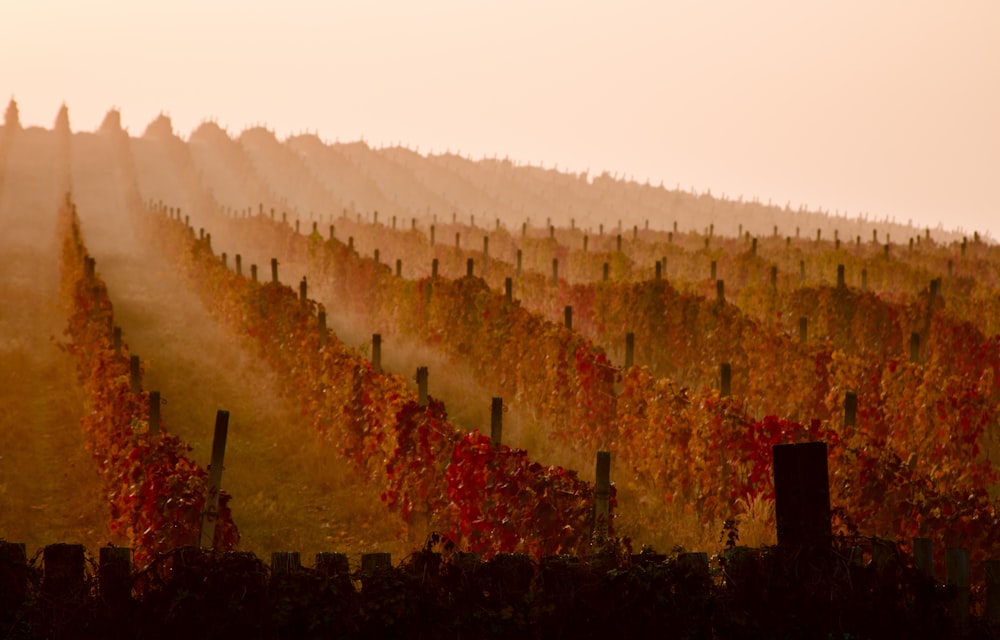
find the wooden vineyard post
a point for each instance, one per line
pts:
(210, 516)
(555, 272)
(885, 251)
(606, 271)
(469, 264)
(993, 592)
(350, 243)
(285, 562)
(726, 380)
(864, 280)
(13, 575)
(496, 421)
(422, 386)
(774, 277)
(458, 240)
(915, 347)
(432, 235)
(586, 241)
(332, 236)
(518, 272)
(116, 340)
(508, 289)
(714, 270)
(720, 291)
(274, 270)
(629, 349)
(377, 352)
(600, 229)
(115, 574)
(134, 374)
(850, 409)
(802, 494)
(658, 271)
(377, 256)
(841, 280)
(552, 232)
(154, 413)
(399, 268)
(239, 264)
(618, 243)
(803, 329)
(486, 252)
(568, 316)
(434, 268)
(802, 271)
(923, 556)
(602, 499)
(225, 259)
(303, 290)
(635, 232)
(321, 318)
(956, 563)
(753, 247)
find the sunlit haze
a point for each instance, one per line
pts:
(890, 108)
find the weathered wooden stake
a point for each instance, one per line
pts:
(210, 516)
(802, 270)
(469, 265)
(239, 264)
(714, 270)
(586, 241)
(350, 243)
(629, 349)
(606, 271)
(274, 270)
(802, 494)
(774, 277)
(618, 243)
(434, 268)
(399, 268)
(154, 413)
(518, 271)
(841, 280)
(134, 375)
(422, 386)
(321, 317)
(720, 291)
(458, 240)
(753, 247)
(659, 270)
(377, 353)
(496, 421)
(303, 289)
(568, 316)
(555, 272)
(432, 235)
(332, 235)
(850, 409)
(377, 255)
(253, 272)
(225, 260)
(602, 498)
(508, 289)
(726, 383)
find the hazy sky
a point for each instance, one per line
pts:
(889, 107)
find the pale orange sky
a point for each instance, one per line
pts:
(889, 107)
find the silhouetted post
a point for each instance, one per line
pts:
(802, 494)
(606, 273)
(602, 498)
(486, 251)
(225, 260)
(600, 229)
(116, 340)
(914, 347)
(714, 270)
(377, 352)
(965, 242)
(555, 272)
(774, 277)
(726, 383)
(321, 317)
(134, 375)
(154, 413)
(524, 229)
(850, 409)
(434, 268)
(508, 289)
(552, 232)
(841, 281)
(818, 232)
(332, 236)
(496, 421)
(303, 288)
(239, 264)
(432, 235)
(458, 240)
(274, 270)
(803, 329)
(518, 263)
(377, 256)
(802, 271)
(413, 224)
(586, 240)
(394, 223)
(422, 386)
(720, 291)
(635, 232)
(658, 271)
(469, 265)
(753, 247)
(568, 316)
(63, 580)
(629, 349)
(885, 251)
(115, 574)
(211, 516)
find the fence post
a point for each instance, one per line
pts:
(225, 259)
(331, 233)
(568, 316)
(154, 413)
(720, 291)
(714, 270)
(469, 264)
(618, 243)
(659, 271)
(518, 263)
(321, 317)
(399, 268)
(774, 277)
(802, 271)
(134, 374)
(432, 235)
(586, 241)
(115, 574)
(802, 494)
(496, 421)
(422, 386)
(239, 264)
(253, 272)
(629, 349)
(841, 280)
(508, 289)
(274, 270)
(376, 256)
(555, 272)
(434, 268)
(726, 383)
(606, 271)
(602, 499)
(211, 516)
(458, 240)
(303, 289)
(377, 352)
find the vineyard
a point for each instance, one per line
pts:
(540, 393)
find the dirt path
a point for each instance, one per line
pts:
(289, 490)
(49, 488)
